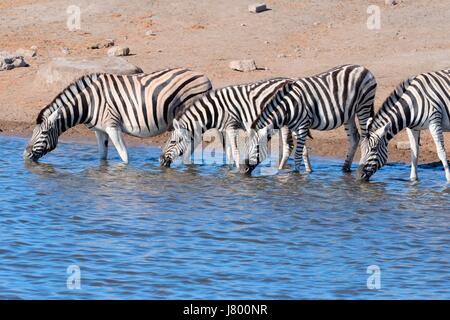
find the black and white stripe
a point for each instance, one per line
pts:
(321, 102)
(228, 110)
(141, 105)
(418, 103)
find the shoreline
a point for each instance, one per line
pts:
(330, 144)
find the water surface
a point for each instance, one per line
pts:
(203, 231)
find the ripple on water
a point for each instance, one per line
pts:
(203, 231)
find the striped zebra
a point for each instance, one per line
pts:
(228, 110)
(418, 103)
(140, 105)
(321, 102)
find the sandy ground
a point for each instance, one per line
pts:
(294, 38)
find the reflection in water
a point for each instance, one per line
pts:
(204, 231)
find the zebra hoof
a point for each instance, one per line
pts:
(346, 169)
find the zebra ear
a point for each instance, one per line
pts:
(266, 129)
(384, 130)
(366, 131)
(369, 123)
(55, 116)
(176, 124)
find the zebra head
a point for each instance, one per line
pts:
(256, 150)
(374, 151)
(176, 146)
(45, 137)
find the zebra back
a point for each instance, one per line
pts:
(324, 101)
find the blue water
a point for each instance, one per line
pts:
(203, 231)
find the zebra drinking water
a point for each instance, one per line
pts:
(322, 102)
(418, 103)
(140, 105)
(227, 109)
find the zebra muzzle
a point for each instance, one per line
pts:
(247, 168)
(364, 174)
(165, 161)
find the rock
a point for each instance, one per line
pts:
(108, 43)
(281, 55)
(59, 72)
(403, 145)
(32, 52)
(9, 62)
(150, 33)
(65, 51)
(243, 65)
(390, 2)
(118, 51)
(19, 62)
(257, 7)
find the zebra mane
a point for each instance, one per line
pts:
(50, 108)
(392, 99)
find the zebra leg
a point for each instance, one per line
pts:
(306, 160)
(438, 137)
(117, 138)
(228, 153)
(300, 136)
(353, 140)
(102, 141)
(287, 146)
(305, 156)
(414, 136)
(232, 136)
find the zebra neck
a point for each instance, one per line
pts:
(74, 113)
(274, 114)
(201, 117)
(398, 115)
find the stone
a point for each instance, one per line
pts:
(257, 7)
(65, 51)
(243, 65)
(108, 43)
(32, 52)
(61, 71)
(390, 2)
(403, 145)
(150, 33)
(19, 62)
(118, 51)
(9, 62)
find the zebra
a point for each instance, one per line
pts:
(418, 103)
(322, 102)
(141, 105)
(228, 110)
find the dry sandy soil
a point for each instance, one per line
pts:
(294, 38)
